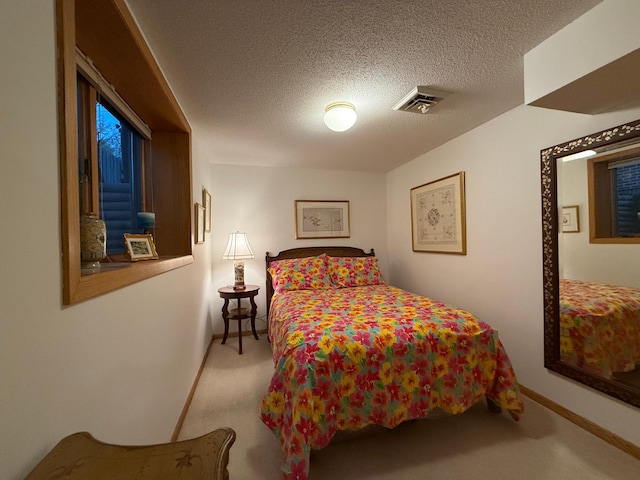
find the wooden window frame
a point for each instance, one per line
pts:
(89, 145)
(99, 28)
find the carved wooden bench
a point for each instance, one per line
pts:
(80, 456)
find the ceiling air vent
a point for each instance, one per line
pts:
(420, 100)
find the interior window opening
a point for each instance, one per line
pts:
(92, 38)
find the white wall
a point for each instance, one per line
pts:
(260, 202)
(500, 278)
(119, 366)
(597, 38)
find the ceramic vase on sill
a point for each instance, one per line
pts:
(93, 241)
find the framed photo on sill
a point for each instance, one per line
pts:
(571, 219)
(140, 246)
(438, 222)
(322, 219)
(199, 215)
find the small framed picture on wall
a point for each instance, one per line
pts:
(570, 219)
(206, 202)
(199, 215)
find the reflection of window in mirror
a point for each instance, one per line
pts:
(614, 197)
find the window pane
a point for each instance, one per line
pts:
(120, 166)
(627, 200)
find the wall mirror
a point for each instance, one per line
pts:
(592, 279)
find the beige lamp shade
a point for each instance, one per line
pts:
(238, 247)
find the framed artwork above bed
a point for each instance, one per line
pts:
(438, 222)
(322, 219)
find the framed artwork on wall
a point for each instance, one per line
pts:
(570, 219)
(199, 215)
(438, 222)
(322, 219)
(206, 203)
(140, 246)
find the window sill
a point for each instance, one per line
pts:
(113, 276)
(615, 240)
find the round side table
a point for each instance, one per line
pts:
(239, 313)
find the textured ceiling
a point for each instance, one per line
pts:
(253, 77)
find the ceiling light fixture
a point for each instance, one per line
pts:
(340, 116)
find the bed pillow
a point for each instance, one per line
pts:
(309, 273)
(354, 271)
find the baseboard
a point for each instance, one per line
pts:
(187, 403)
(583, 423)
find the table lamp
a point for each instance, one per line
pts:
(238, 250)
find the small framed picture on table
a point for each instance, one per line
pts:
(140, 246)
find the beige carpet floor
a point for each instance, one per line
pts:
(477, 445)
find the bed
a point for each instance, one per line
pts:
(599, 326)
(351, 351)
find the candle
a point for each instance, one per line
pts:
(146, 219)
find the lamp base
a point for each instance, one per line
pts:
(238, 271)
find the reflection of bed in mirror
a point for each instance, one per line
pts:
(599, 326)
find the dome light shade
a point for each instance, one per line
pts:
(340, 116)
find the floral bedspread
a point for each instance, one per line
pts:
(347, 358)
(599, 326)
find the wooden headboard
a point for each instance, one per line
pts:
(309, 252)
